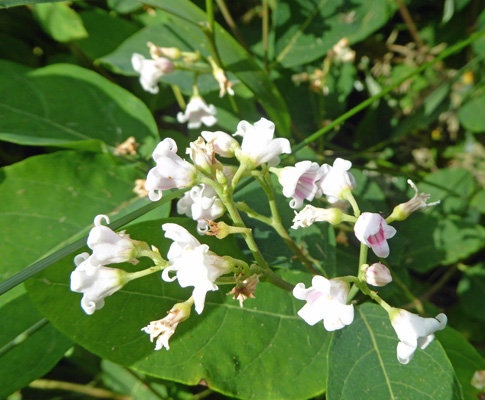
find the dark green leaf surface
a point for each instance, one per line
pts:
(106, 32)
(471, 289)
(465, 359)
(33, 355)
(68, 106)
(425, 241)
(229, 347)
(307, 29)
(364, 364)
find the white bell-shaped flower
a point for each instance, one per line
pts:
(224, 144)
(336, 180)
(414, 331)
(201, 204)
(197, 113)
(300, 182)
(373, 230)
(326, 300)
(258, 145)
(108, 246)
(170, 172)
(95, 286)
(194, 264)
(151, 70)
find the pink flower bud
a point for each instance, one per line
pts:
(378, 275)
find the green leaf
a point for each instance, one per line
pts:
(471, 289)
(60, 21)
(106, 32)
(307, 29)
(185, 18)
(13, 3)
(138, 386)
(229, 347)
(69, 106)
(363, 364)
(125, 6)
(464, 358)
(29, 346)
(425, 241)
(470, 115)
(49, 201)
(453, 187)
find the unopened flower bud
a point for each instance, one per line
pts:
(418, 202)
(164, 328)
(310, 214)
(202, 154)
(222, 230)
(378, 275)
(157, 52)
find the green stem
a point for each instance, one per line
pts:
(365, 289)
(366, 103)
(238, 175)
(267, 186)
(178, 96)
(140, 274)
(347, 195)
(23, 336)
(363, 255)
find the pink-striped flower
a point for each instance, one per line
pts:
(373, 231)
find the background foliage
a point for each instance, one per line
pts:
(69, 96)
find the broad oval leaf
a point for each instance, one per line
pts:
(363, 364)
(69, 106)
(229, 347)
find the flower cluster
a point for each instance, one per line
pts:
(327, 299)
(307, 180)
(209, 188)
(206, 172)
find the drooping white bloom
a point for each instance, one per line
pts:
(108, 246)
(151, 70)
(197, 113)
(373, 230)
(310, 214)
(258, 145)
(224, 144)
(201, 203)
(195, 265)
(378, 275)
(170, 172)
(418, 202)
(300, 182)
(95, 284)
(164, 328)
(326, 299)
(414, 331)
(336, 180)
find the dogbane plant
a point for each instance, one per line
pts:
(212, 186)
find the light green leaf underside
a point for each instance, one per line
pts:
(229, 347)
(364, 364)
(50, 200)
(69, 106)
